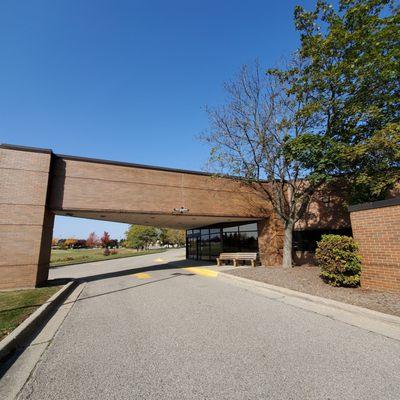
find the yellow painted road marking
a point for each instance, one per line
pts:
(202, 271)
(160, 260)
(142, 275)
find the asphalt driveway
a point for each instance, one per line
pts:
(146, 329)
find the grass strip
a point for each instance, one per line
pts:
(17, 305)
(69, 257)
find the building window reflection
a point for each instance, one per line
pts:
(207, 243)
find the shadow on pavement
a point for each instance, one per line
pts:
(174, 275)
(150, 268)
(9, 361)
(155, 267)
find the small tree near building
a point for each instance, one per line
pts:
(331, 112)
(339, 260)
(251, 138)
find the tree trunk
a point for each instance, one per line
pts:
(287, 245)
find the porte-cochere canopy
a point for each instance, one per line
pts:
(37, 184)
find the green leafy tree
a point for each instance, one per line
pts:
(179, 237)
(141, 237)
(168, 236)
(352, 80)
(165, 237)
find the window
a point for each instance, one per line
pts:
(192, 247)
(230, 242)
(205, 247)
(248, 241)
(230, 229)
(248, 227)
(208, 243)
(307, 240)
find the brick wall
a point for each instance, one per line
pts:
(35, 184)
(376, 229)
(26, 224)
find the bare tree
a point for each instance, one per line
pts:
(252, 137)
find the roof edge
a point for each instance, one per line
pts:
(133, 165)
(375, 204)
(25, 148)
(107, 162)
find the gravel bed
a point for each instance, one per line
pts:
(306, 279)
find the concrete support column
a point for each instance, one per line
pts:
(26, 224)
(270, 241)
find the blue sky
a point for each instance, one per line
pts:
(128, 80)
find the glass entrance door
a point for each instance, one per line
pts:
(193, 246)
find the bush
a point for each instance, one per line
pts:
(106, 252)
(339, 260)
(113, 251)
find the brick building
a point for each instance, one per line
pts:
(219, 214)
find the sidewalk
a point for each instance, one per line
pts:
(370, 320)
(306, 280)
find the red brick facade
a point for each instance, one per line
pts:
(376, 229)
(36, 184)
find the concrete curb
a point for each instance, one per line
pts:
(20, 335)
(374, 321)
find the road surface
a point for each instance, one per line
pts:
(144, 329)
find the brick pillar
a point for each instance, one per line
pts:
(376, 230)
(270, 241)
(26, 225)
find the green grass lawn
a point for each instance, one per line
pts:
(77, 256)
(17, 305)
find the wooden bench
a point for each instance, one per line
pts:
(226, 257)
(235, 257)
(252, 257)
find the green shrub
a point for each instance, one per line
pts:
(339, 260)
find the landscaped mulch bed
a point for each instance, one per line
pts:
(306, 279)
